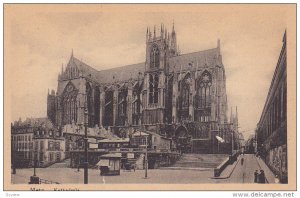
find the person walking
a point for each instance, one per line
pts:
(262, 177)
(256, 176)
(277, 181)
(242, 161)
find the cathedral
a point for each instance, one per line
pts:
(178, 96)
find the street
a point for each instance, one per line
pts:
(71, 176)
(241, 174)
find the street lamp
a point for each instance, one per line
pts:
(86, 163)
(146, 158)
(13, 157)
(232, 143)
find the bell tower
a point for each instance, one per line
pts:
(156, 70)
(157, 49)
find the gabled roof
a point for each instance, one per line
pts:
(85, 69)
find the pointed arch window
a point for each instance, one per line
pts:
(203, 89)
(69, 104)
(153, 88)
(122, 107)
(154, 57)
(185, 91)
(203, 97)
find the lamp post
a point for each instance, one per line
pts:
(86, 163)
(146, 158)
(13, 157)
(232, 142)
(34, 163)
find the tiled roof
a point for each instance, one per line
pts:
(115, 140)
(91, 132)
(35, 122)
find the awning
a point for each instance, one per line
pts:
(103, 162)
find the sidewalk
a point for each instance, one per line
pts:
(226, 173)
(270, 177)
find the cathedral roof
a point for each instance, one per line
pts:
(121, 74)
(200, 59)
(204, 58)
(84, 68)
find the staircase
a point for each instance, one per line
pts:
(199, 161)
(63, 164)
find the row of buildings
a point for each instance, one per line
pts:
(271, 132)
(181, 97)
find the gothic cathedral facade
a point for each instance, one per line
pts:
(179, 96)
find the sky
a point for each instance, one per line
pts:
(39, 40)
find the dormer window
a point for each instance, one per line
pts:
(154, 57)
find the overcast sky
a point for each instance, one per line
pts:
(40, 40)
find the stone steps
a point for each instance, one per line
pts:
(200, 160)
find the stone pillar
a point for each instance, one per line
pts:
(81, 98)
(146, 84)
(213, 99)
(129, 105)
(161, 87)
(102, 106)
(191, 98)
(174, 98)
(115, 106)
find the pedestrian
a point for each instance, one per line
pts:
(134, 167)
(262, 177)
(277, 181)
(256, 176)
(242, 161)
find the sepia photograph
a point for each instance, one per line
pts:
(149, 96)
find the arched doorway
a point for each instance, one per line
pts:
(183, 140)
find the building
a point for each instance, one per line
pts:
(74, 136)
(178, 96)
(36, 141)
(271, 129)
(250, 145)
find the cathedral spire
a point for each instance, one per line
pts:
(166, 34)
(62, 68)
(154, 33)
(236, 116)
(173, 29)
(72, 53)
(231, 118)
(219, 47)
(147, 34)
(161, 28)
(173, 45)
(197, 67)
